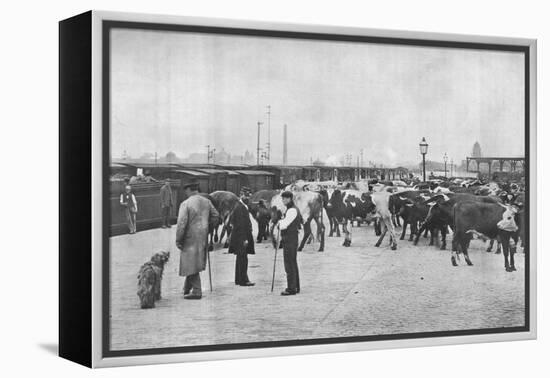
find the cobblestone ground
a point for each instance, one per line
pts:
(356, 291)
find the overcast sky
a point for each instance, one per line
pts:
(175, 91)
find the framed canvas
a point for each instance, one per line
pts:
(234, 189)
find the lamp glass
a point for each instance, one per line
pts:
(423, 146)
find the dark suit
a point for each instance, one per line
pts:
(290, 252)
(241, 242)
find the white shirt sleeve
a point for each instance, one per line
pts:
(135, 202)
(122, 199)
(290, 215)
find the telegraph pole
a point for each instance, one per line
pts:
(258, 144)
(268, 156)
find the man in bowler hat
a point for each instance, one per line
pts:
(195, 215)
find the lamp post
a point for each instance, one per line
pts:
(423, 150)
(445, 158)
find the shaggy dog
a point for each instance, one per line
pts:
(149, 279)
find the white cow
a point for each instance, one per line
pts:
(381, 200)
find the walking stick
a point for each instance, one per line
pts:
(275, 260)
(209, 270)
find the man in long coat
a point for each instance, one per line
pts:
(166, 203)
(241, 242)
(195, 215)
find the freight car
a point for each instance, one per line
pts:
(256, 180)
(283, 175)
(184, 177)
(148, 198)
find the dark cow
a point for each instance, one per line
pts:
(224, 202)
(440, 213)
(487, 221)
(341, 214)
(213, 227)
(262, 214)
(333, 223)
(346, 206)
(259, 205)
(310, 205)
(395, 209)
(398, 200)
(361, 207)
(413, 212)
(400, 204)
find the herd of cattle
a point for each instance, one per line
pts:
(488, 211)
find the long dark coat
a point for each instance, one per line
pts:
(194, 217)
(241, 230)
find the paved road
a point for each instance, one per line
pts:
(361, 290)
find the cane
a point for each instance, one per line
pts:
(209, 270)
(275, 260)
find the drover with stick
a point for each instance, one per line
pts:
(289, 227)
(195, 215)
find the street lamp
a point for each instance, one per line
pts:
(445, 158)
(423, 150)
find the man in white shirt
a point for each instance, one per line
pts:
(128, 201)
(289, 227)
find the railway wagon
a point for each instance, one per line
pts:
(148, 201)
(119, 170)
(311, 173)
(233, 183)
(184, 177)
(256, 180)
(146, 169)
(283, 175)
(217, 178)
(346, 173)
(320, 173)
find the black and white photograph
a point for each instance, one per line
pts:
(291, 189)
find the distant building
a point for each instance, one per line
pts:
(222, 157)
(248, 158)
(196, 158)
(476, 150)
